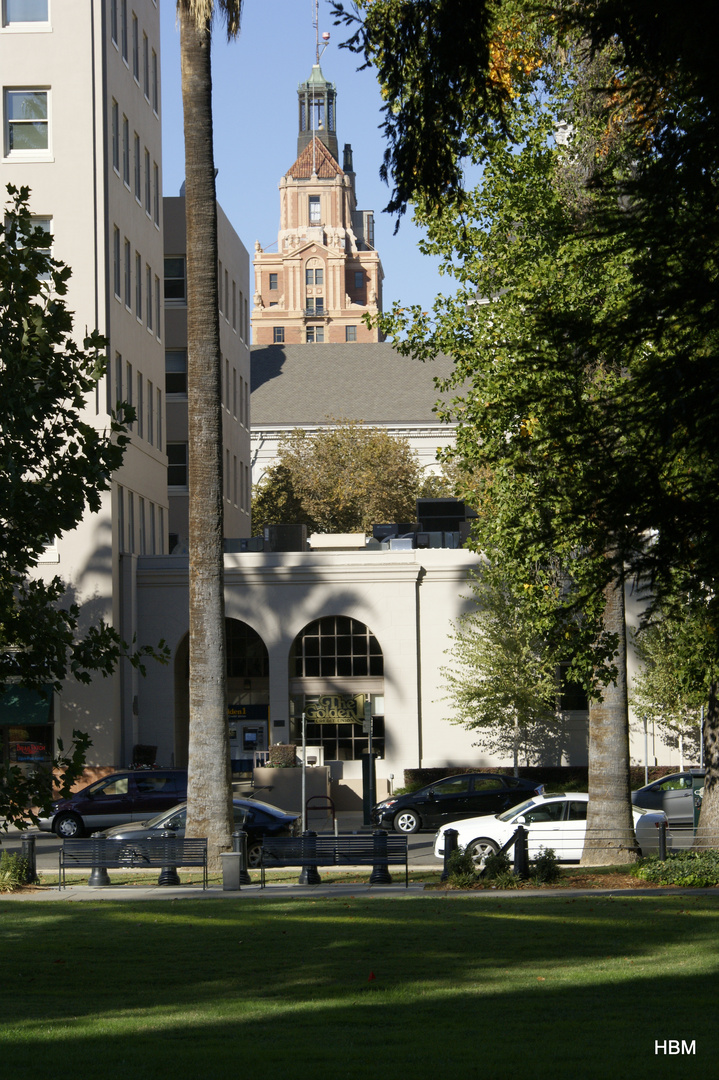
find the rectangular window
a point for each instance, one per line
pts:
(113, 21)
(44, 223)
(138, 286)
(148, 296)
(123, 28)
(143, 542)
(24, 11)
(150, 414)
(146, 66)
(120, 518)
(227, 384)
(315, 218)
(153, 537)
(159, 419)
(27, 126)
(109, 403)
(158, 309)
(148, 188)
(234, 305)
(135, 48)
(226, 308)
(175, 289)
(161, 530)
(273, 282)
(359, 279)
(176, 371)
(155, 84)
(156, 201)
(177, 464)
(219, 286)
(128, 386)
(116, 261)
(234, 479)
(314, 275)
(140, 406)
(131, 521)
(278, 335)
(350, 333)
(234, 392)
(138, 169)
(126, 150)
(247, 323)
(118, 379)
(247, 487)
(128, 274)
(227, 475)
(247, 405)
(116, 137)
(242, 397)
(315, 334)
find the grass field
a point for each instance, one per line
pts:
(325, 989)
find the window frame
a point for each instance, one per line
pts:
(41, 153)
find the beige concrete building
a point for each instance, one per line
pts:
(234, 283)
(325, 274)
(81, 127)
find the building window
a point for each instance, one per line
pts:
(148, 190)
(153, 538)
(128, 390)
(175, 289)
(350, 333)
(118, 381)
(138, 169)
(315, 218)
(155, 84)
(273, 282)
(150, 413)
(142, 526)
(135, 48)
(314, 275)
(315, 305)
(126, 150)
(148, 296)
(24, 11)
(113, 21)
(131, 522)
(27, 125)
(116, 137)
(159, 419)
(140, 405)
(158, 308)
(161, 530)
(177, 464)
(44, 223)
(128, 275)
(234, 392)
(219, 286)
(359, 279)
(123, 28)
(156, 203)
(120, 518)
(138, 286)
(336, 647)
(278, 335)
(176, 371)
(116, 262)
(315, 334)
(146, 66)
(234, 305)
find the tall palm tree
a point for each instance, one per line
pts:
(209, 788)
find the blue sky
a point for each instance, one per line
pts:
(255, 82)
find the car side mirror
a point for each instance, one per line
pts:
(521, 820)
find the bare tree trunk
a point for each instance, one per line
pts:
(209, 788)
(610, 828)
(707, 834)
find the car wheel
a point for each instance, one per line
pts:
(69, 826)
(406, 821)
(254, 855)
(481, 849)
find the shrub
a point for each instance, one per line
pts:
(698, 869)
(14, 871)
(545, 868)
(282, 756)
(461, 869)
(496, 866)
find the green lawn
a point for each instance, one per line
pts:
(281, 989)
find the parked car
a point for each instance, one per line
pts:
(120, 797)
(674, 794)
(258, 819)
(452, 798)
(552, 821)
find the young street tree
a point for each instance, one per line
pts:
(53, 468)
(209, 787)
(589, 360)
(342, 479)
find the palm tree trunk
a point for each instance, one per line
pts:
(707, 834)
(209, 788)
(610, 829)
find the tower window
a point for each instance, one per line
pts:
(273, 282)
(314, 275)
(315, 305)
(315, 218)
(359, 279)
(350, 333)
(315, 334)
(278, 335)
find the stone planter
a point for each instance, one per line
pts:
(283, 787)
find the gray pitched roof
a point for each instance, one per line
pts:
(306, 384)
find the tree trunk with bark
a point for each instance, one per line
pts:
(707, 834)
(209, 786)
(610, 827)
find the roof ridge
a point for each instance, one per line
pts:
(325, 165)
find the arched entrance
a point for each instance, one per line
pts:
(336, 667)
(247, 696)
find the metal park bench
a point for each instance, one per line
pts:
(100, 854)
(378, 850)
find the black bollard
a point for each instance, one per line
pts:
(239, 844)
(521, 853)
(450, 845)
(309, 874)
(380, 871)
(28, 854)
(168, 874)
(99, 876)
(663, 841)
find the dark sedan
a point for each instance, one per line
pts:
(454, 797)
(258, 819)
(674, 794)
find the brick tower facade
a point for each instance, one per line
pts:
(325, 274)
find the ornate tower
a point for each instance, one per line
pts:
(325, 274)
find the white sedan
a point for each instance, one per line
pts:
(552, 821)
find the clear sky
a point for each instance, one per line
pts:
(255, 81)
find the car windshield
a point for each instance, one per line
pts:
(166, 816)
(509, 814)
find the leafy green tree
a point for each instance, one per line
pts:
(53, 468)
(341, 479)
(209, 783)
